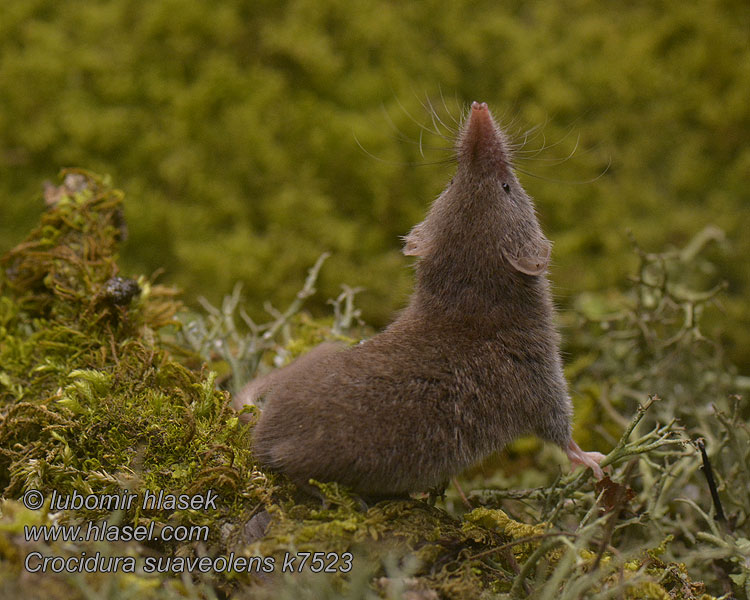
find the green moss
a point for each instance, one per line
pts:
(92, 401)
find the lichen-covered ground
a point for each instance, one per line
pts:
(104, 391)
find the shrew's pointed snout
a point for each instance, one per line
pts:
(481, 127)
(481, 144)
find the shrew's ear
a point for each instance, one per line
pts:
(530, 255)
(417, 242)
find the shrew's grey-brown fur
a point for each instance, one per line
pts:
(469, 365)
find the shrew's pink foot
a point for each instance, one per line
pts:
(586, 459)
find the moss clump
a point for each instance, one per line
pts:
(90, 401)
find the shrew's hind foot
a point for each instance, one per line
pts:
(585, 459)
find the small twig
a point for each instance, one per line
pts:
(305, 292)
(523, 540)
(342, 319)
(530, 563)
(460, 491)
(629, 429)
(607, 405)
(708, 472)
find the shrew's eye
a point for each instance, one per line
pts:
(506, 187)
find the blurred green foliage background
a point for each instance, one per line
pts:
(250, 137)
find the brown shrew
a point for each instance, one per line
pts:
(471, 363)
